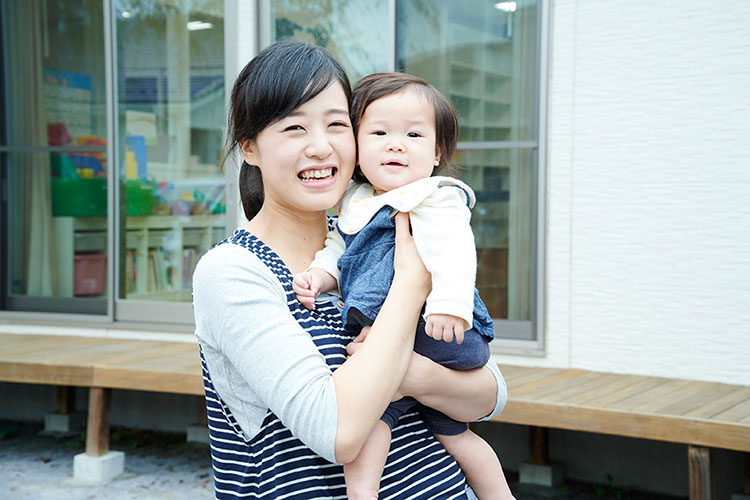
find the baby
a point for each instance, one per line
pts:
(406, 133)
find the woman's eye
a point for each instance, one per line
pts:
(339, 124)
(293, 127)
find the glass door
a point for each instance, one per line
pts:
(53, 157)
(170, 131)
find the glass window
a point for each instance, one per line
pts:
(484, 59)
(54, 156)
(504, 184)
(171, 117)
(355, 32)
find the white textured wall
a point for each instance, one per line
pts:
(648, 237)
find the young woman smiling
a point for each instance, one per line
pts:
(286, 406)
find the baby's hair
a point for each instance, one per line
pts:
(377, 85)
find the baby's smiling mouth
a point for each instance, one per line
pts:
(394, 163)
(317, 174)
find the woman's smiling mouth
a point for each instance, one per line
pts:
(317, 174)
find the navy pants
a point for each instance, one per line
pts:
(472, 353)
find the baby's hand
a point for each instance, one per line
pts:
(444, 327)
(306, 286)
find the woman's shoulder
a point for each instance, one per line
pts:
(231, 261)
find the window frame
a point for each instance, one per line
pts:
(241, 43)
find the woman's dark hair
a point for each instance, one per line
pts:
(270, 87)
(377, 85)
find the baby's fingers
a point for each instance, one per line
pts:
(459, 330)
(447, 333)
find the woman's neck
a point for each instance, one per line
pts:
(295, 237)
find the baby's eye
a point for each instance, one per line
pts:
(379, 132)
(414, 134)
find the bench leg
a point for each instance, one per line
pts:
(198, 432)
(66, 400)
(538, 447)
(65, 419)
(98, 464)
(538, 470)
(699, 471)
(97, 428)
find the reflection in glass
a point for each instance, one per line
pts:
(54, 107)
(503, 182)
(355, 32)
(170, 58)
(483, 58)
(57, 232)
(54, 72)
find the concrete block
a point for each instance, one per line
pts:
(197, 433)
(88, 469)
(551, 475)
(65, 422)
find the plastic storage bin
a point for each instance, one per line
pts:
(79, 197)
(89, 274)
(139, 197)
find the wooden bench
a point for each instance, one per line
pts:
(702, 415)
(101, 364)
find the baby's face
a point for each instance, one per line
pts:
(396, 140)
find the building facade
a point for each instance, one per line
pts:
(606, 142)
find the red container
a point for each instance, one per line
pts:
(89, 274)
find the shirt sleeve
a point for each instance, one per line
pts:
(327, 257)
(259, 357)
(445, 242)
(502, 390)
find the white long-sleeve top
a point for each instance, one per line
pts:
(440, 213)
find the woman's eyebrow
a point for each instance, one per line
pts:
(338, 111)
(332, 111)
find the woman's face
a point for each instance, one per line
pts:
(306, 159)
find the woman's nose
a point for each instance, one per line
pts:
(319, 146)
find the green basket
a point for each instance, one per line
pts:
(79, 197)
(139, 197)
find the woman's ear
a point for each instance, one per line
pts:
(249, 152)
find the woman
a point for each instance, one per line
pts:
(281, 422)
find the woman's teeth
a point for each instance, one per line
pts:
(311, 175)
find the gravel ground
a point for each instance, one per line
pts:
(36, 466)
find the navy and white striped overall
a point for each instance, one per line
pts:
(276, 465)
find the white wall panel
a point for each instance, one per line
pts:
(649, 189)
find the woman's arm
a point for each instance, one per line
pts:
(463, 395)
(365, 383)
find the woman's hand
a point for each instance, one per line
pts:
(407, 264)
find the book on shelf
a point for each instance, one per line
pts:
(189, 261)
(130, 263)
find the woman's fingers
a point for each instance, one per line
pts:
(406, 262)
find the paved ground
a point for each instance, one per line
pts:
(34, 466)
